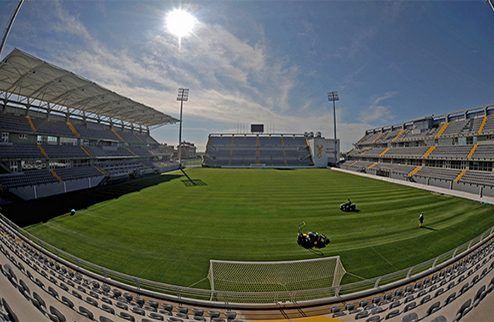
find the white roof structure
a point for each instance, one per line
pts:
(27, 76)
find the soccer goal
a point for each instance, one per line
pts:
(275, 276)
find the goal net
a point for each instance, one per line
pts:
(275, 276)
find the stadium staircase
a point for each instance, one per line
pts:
(429, 151)
(414, 171)
(442, 129)
(482, 125)
(398, 135)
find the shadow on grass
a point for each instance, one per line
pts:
(428, 228)
(25, 213)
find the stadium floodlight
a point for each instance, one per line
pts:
(9, 26)
(333, 97)
(183, 96)
(489, 2)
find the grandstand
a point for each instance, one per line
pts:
(454, 151)
(257, 150)
(62, 133)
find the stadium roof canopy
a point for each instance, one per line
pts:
(30, 77)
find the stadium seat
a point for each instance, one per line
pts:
(230, 315)
(167, 307)
(106, 289)
(463, 310)
(67, 302)
(198, 312)
(92, 301)
(76, 294)
(140, 301)
(392, 314)
(128, 296)
(449, 299)
(84, 311)
(104, 319)
(376, 299)
(154, 304)
(214, 314)
(156, 316)
(122, 306)
(108, 309)
(117, 293)
(200, 318)
(64, 287)
(362, 315)
(394, 304)
(168, 313)
(149, 308)
(40, 301)
(138, 310)
(182, 315)
(439, 292)
(433, 308)
(425, 299)
(481, 293)
(182, 309)
(410, 306)
(127, 316)
(58, 314)
(106, 300)
(375, 318)
(410, 317)
(217, 320)
(440, 318)
(174, 319)
(336, 308)
(10, 313)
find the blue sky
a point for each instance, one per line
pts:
(272, 62)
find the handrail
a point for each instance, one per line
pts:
(250, 300)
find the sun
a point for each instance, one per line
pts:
(180, 23)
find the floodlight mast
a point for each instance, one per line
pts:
(333, 97)
(183, 96)
(9, 26)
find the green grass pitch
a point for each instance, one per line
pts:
(170, 231)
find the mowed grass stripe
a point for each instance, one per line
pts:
(169, 232)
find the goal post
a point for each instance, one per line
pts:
(233, 276)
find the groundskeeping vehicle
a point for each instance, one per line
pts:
(311, 239)
(348, 206)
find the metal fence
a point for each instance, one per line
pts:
(249, 299)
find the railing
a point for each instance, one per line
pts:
(247, 299)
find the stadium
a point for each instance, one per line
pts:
(87, 233)
(101, 221)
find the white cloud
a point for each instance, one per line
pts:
(231, 80)
(376, 112)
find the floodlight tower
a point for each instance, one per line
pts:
(333, 97)
(9, 25)
(183, 96)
